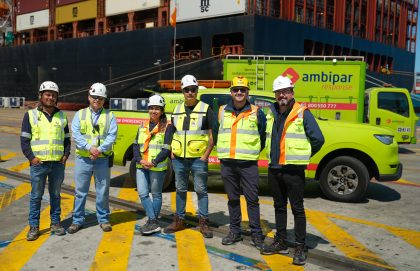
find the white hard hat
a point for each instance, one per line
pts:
(98, 89)
(156, 100)
(282, 82)
(188, 80)
(48, 85)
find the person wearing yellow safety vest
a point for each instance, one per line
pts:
(45, 142)
(192, 143)
(241, 138)
(151, 150)
(94, 130)
(293, 136)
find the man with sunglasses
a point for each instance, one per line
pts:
(293, 136)
(192, 142)
(94, 130)
(241, 138)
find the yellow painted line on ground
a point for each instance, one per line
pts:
(15, 194)
(192, 252)
(410, 236)
(402, 181)
(20, 166)
(113, 252)
(244, 210)
(189, 208)
(10, 130)
(8, 155)
(2, 178)
(279, 262)
(351, 247)
(19, 251)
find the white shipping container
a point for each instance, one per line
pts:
(33, 20)
(188, 10)
(114, 7)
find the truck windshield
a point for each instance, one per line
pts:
(394, 102)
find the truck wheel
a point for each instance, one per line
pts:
(170, 176)
(344, 179)
(133, 170)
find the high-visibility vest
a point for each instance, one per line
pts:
(193, 142)
(238, 136)
(47, 139)
(92, 136)
(295, 148)
(151, 143)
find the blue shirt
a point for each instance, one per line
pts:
(81, 142)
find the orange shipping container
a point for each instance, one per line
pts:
(27, 6)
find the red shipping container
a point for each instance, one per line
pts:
(27, 6)
(66, 2)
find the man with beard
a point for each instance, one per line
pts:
(45, 142)
(241, 138)
(293, 136)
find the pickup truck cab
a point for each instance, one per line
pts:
(352, 155)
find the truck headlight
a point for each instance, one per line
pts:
(386, 139)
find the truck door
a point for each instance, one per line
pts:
(393, 108)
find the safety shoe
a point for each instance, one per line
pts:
(57, 229)
(32, 234)
(231, 238)
(204, 227)
(106, 227)
(299, 257)
(257, 240)
(151, 226)
(177, 225)
(74, 228)
(278, 246)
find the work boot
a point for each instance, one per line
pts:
(151, 226)
(57, 229)
(74, 228)
(204, 227)
(299, 257)
(106, 227)
(231, 238)
(32, 234)
(257, 240)
(177, 225)
(278, 246)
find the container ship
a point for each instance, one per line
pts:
(130, 45)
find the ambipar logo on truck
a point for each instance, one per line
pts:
(330, 78)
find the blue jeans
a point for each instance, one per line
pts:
(149, 181)
(199, 169)
(84, 169)
(39, 173)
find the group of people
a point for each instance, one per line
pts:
(239, 130)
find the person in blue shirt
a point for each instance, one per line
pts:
(94, 131)
(47, 153)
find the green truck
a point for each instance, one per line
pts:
(331, 87)
(353, 153)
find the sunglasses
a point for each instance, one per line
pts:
(284, 91)
(192, 90)
(99, 98)
(236, 90)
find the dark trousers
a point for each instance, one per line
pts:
(237, 178)
(288, 184)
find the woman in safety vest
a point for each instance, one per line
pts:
(151, 151)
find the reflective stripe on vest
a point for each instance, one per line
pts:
(47, 138)
(90, 134)
(295, 148)
(194, 141)
(238, 136)
(151, 144)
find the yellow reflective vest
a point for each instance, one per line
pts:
(238, 136)
(151, 143)
(193, 142)
(295, 148)
(93, 136)
(47, 139)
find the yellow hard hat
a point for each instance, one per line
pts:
(240, 81)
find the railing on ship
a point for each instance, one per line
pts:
(284, 57)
